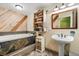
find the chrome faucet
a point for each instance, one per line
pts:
(61, 35)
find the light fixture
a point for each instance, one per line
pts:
(19, 7)
(56, 8)
(63, 6)
(71, 4)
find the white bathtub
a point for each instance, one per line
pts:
(14, 37)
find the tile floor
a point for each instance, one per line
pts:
(45, 53)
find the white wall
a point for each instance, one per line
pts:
(53, 45)
(30, 22)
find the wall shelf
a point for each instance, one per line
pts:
(38, 20)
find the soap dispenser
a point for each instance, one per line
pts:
(72, 33)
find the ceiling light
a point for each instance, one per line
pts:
(63, 6)
(19, 7)
(71, 4)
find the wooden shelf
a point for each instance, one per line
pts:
(38, 20)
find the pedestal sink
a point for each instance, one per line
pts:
(62, 40)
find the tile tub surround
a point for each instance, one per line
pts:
(23, 51)
(8, 40)
(13, 45)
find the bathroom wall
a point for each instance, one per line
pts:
(51, 44)
(11, 21)
(23, 26)
(30, 21)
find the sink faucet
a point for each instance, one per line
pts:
(61, 35)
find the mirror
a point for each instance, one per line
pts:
(65, 20)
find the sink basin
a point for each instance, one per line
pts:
(62, 40)
(66, 39)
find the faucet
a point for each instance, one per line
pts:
(61, 35)
(0, 46)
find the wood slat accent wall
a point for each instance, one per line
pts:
(2, 11)
(18, 24)
(10, 21)
(23, 26)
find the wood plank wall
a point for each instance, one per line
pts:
(11, 21)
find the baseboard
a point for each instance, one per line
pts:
(55, 53)
(73, 54)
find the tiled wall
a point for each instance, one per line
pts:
(11, 46)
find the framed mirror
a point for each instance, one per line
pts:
(65, 20)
